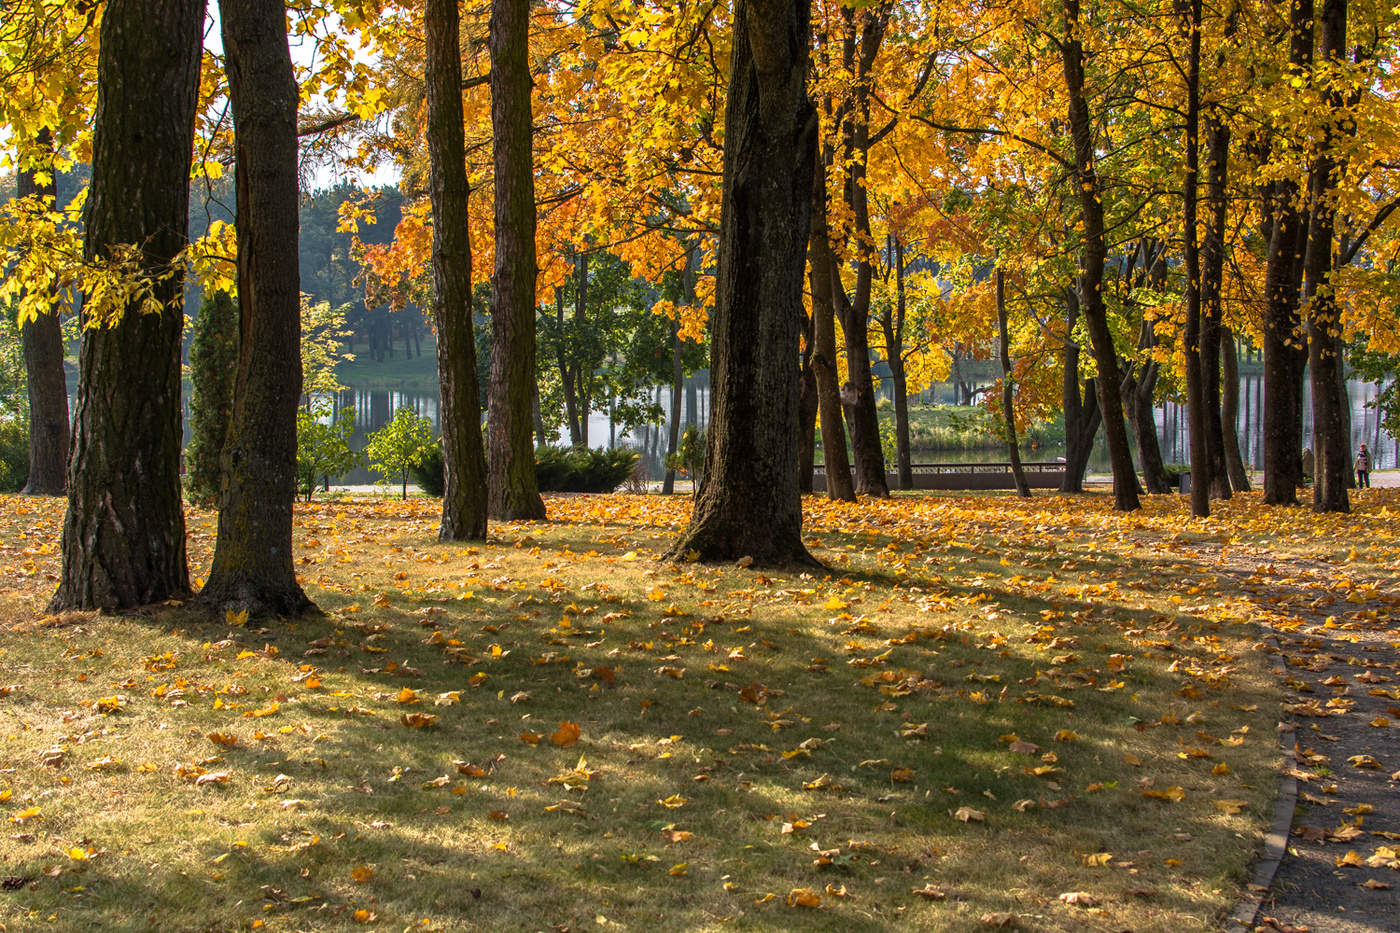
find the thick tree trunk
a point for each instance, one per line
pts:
(1230, 411)
(253, 566)
(124, 531)
(43, 371)
(1125, 485)
(513, 493)
(750, 505)
(1331, 433)
(1189, 12)
(1212, 277)
(1008, 389)
(463, 456)
(839, 484)
(1284, 350)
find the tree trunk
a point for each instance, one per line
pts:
(673, 430)
(514, 493)
(839, 485)
(1144, 422)
(1189, 12)
(1125, 485)
(253, 567)
(1331, 434)
(43, 369)
(124, 531)
(750, 505)
(893, 325)
(463, 456)
(1212, 277)
(1230, 412)
(1081, 417)
(1284, 354)
(566, 376)
(808, 406)
(1008, 389)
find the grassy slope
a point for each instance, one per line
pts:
(749, 742)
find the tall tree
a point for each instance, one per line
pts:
(750, 505)
(1331, 420)
(464, 461)
(43, 363)
(1188, 14)
(253, 567)
(1092, 259)
(1284, 350)
(510, 456)
(124, 531)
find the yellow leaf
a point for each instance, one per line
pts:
(679, 870)
(361, 874)
(78, 854)
(407, 695)
(418, 720)
(239, 618)
(803, 897)
(673, 802)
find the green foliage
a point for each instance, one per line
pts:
(429, 474)
(400, 445)
(213, 369)
(575, 469)
(323, 341)
(14, 453)
(689, 457)
(1384, 370)
(323, 447)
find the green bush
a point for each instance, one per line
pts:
(323, 449)
(14, 454)
(428, 473)
(400, 445)
(576, 469)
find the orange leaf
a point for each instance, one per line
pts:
(567, 734)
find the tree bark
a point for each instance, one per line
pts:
(1081, 417)
(1284, 352)
(839, 484)
(1230, 411)
(1331, 433)
(1125, 486)
(893, 325)
(513, 492)
(124, 531)
(42, 338)
(463, 456)
(253, 567)
(750, 505)
(1008, 389)
(1189, 12)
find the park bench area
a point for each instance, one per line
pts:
(1040, 474)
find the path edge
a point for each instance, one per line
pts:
(1276, 839)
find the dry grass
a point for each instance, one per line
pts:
(748, 743)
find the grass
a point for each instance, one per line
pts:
(989, 701)
(401, 373)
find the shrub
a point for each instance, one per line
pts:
(429, 473)
(323, 449)
(14, 454)
(577, 469)
(400, 445)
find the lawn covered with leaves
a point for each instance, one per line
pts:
(987, 712)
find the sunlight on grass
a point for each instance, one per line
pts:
(983, 704)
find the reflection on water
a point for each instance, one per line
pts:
(375, 407)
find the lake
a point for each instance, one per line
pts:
(375, 407)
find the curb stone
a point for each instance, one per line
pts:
(1276, 839)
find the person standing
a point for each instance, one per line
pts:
(1363, 468)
